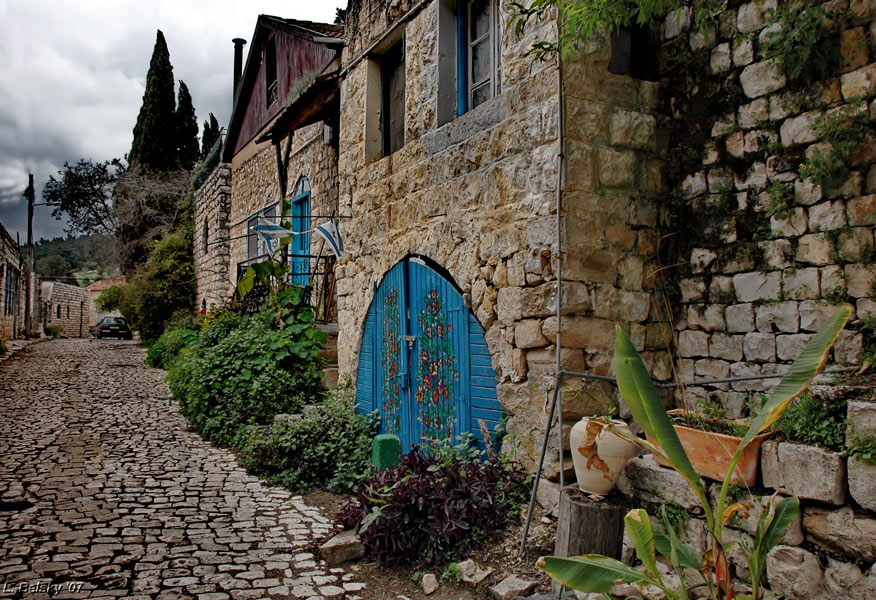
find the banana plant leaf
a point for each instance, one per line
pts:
(590, 573)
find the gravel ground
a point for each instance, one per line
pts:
(104, 494)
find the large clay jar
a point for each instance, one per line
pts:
(599, 455)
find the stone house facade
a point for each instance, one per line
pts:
(67, 307)
(641, 179)
(13, 287)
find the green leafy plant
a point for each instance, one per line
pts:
(781, 199)
(845, 130)
(581, 19)
(327, 446)
(814, 421)
(452, 573)
(804, 43)
(598, 574)
(862, 445)
(250, 369)
(52, 331)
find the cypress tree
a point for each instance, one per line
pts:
(186, 129)
(210, 135)
(154, 146)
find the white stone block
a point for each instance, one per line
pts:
(804, 471)
(749, 18)
(813, 315)
(762, 78)
(794, 573)
(743, 51)
(842, 530)
(861, 417)
(794, 225)
(862, 483)
(827, 215)
(646, 480)
(777, 254)
(720, 60)
(757, 285)
(701, 259)
(859, 280)
(760, 347)
(789, 347)
(677, 22)
(708, 317)
(806, 192)
(753, 113)
(740, 317)
(728, 347)
(802, 284)
(814, 249)
(798, 130)
(693, 343)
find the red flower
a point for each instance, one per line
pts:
(426, 421)
(424, 356)
(434, 308)
(427, 383)
(435, 396)
(421, 394)
(441, 332)
(434, 293)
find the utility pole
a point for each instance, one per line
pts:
(28, 309)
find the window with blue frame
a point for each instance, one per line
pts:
(270, 218)
(468, 51)
(299, 249)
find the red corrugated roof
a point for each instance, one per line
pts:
(99, 286)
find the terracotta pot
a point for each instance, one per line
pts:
(599, 455)
(710, 453)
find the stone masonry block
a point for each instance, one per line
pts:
(753, 113)
(843, 530)
(777, 254)
(581, 332)
(861, 416)
(845, 581)
(794, 573)
(708, 317)
(749, 18)
(728, 347)
(757, 286)
(692, 290)
(617, 169)
(802, 284)
(806, 192)
(814, 249)
(710, 368)
(760, 347)
(860, 82)
(861, 210)
(794, 225)
(720, 60)
(721, 289)
(804, 471)
(862, 482)
(825, 216)
(798, 130)
(847, 348)
(647, 480)
(789, 347)
(693, 343)
(813, 315)
(740, 317)
(794, 535)
(859, 280)
(527, 334)
(760, 79)
(633, 130)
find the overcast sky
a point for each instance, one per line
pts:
(72, 76)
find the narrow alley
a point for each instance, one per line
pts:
(105, 494)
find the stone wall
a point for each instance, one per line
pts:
(215, 281)
(72, 303)
(254, 185)
(828, 553)
(765, 253)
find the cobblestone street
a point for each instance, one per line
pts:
(104, 494)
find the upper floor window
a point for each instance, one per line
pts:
(392, 85)
(252, 239)
(272, 92)
(468, 56)
(632, 53)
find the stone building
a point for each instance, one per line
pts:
(95, 289)
(13, 287)
(470, 179)
(66, 307)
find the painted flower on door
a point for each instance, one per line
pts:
(389, 361)
(436, 372)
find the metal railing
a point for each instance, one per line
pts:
(317, 280)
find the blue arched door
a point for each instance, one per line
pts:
(424, 365)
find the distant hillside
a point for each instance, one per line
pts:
(76, 260)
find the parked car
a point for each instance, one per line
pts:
(114, 327)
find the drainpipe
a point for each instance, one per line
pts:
(559, 237)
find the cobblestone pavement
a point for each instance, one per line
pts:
(104, 494)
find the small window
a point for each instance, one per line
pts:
(68, 311)
(468, 56)
(392, 85)
(58, 312)
(271, 72)
(252, 240)
(205, 238)
(269, 216)
(632, 53)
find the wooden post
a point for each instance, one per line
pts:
(588, 526)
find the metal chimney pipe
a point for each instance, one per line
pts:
(238, 64)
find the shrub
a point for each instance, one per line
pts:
(815, 422)
(164, 352)
(432, 506)
(329, 446)
(261, 367)
(110, 299)
(52, 331)
(862, 445)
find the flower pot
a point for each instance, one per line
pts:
(599, 455)
(710, 453)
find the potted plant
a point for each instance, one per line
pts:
(598, 574)
(601, 449)
(711, 442)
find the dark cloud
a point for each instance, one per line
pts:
(73, 75)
